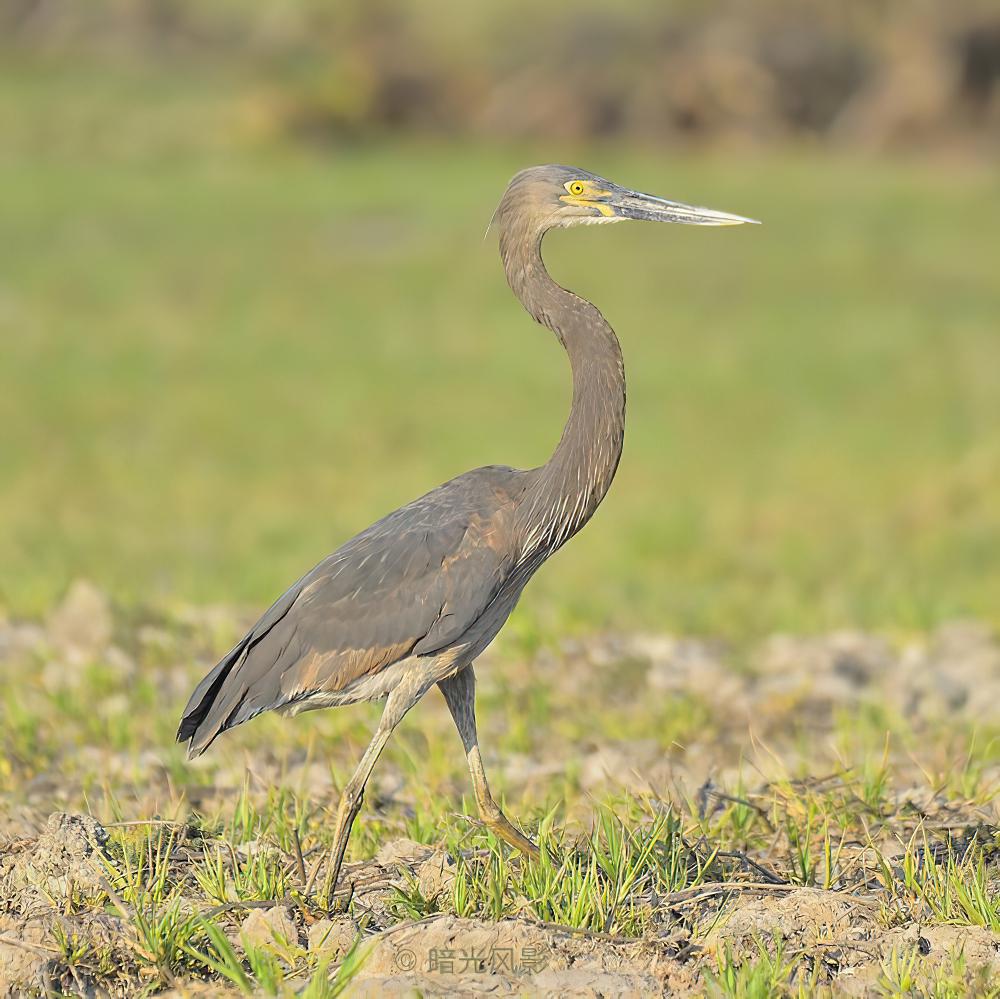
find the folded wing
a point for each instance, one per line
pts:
(411, 584)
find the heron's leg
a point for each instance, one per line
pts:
(398, 703)
(460, 693)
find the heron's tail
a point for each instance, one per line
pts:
(243, 684)
(203, 718)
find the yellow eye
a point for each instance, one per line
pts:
(576, 188)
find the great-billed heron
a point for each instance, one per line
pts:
(414, 599)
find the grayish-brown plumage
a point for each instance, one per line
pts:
(411, 601)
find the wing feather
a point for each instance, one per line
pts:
(411, 584)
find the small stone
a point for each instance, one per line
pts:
(20, 641)
(120, 663)
(116, 704)
(436, 876)
(402, 851)
(332, 938)
(270, 927)
(155, 638)
(80, 627)
(620, 766)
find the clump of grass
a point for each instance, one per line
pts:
(81, 956)
(609, 883)
(225, 876)
(957, 889)
(409, 901)
(900, 971)
(164, 937)
(765, 975)
(143, 873)
(146, 889)
(260, 970)
(903, 975)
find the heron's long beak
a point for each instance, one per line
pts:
(633, 205)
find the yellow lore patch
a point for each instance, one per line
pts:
(584, 193)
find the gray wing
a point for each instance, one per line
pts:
(411, 584)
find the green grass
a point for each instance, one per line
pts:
(801, 802)
(223, 357)
(643, 869)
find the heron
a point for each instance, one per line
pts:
(411, 601)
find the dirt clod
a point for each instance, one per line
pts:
(24, 956)
(800, 918)
(67, 855)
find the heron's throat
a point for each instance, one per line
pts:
(567, 490)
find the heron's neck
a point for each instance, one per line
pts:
(565, 492)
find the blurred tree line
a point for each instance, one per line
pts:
(862, 72)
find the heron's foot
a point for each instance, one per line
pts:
(500, 826)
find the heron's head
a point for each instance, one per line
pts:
(546, 197)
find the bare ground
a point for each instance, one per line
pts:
(833, 798)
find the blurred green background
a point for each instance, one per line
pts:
(246, 306)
